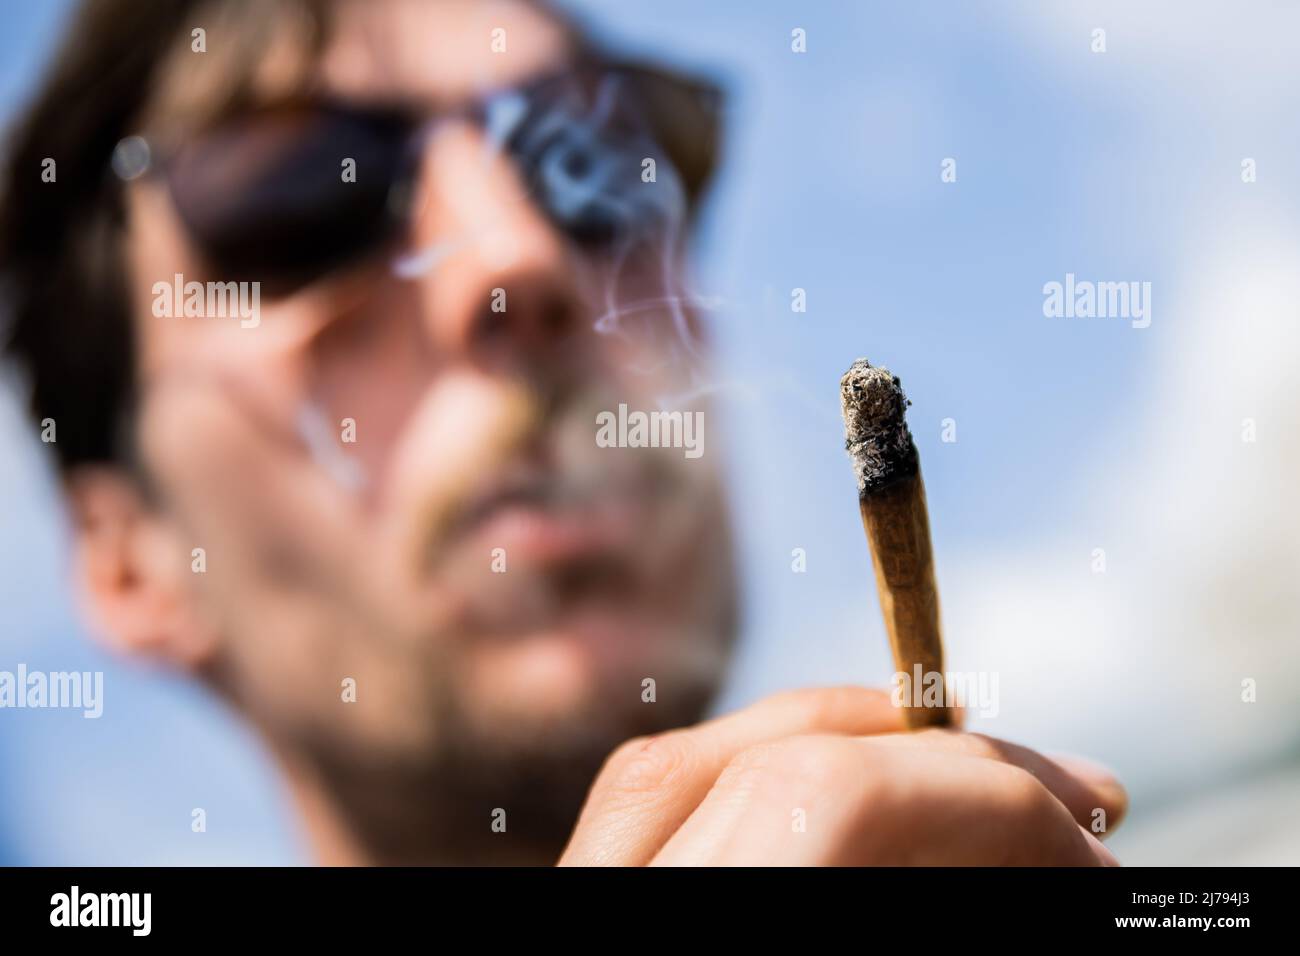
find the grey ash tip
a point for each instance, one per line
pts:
(875, 428)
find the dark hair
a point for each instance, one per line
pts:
(63, 278)
(65, 295)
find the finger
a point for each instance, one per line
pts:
(1107, 858)
(1102, 779)
(850, 801)
(649, 787)
(1091, 793)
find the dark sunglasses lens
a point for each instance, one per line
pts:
(284, 197)
(590, 157)
(684, 115)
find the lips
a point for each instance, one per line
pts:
(543, 536)
(543, 521)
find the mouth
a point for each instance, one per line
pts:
(539, 519)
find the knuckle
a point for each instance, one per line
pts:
(620, 756)
(794, 767)
(1026, 797)
(646, 764)
(991, 747)
(982, 745)
(752, 761)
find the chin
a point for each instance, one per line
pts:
(596, 674)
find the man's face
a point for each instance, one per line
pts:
(415, 553)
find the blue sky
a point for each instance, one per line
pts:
(1071, 434)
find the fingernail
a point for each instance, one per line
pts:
(1104, 855)
(1088, 770)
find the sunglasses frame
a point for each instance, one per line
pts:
(682, 113)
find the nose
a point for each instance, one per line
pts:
(494, 279)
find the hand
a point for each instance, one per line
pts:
(734, 791)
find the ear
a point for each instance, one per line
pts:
(132, 572)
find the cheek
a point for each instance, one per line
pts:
(368, 372)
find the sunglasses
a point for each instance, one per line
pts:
(265, 194)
